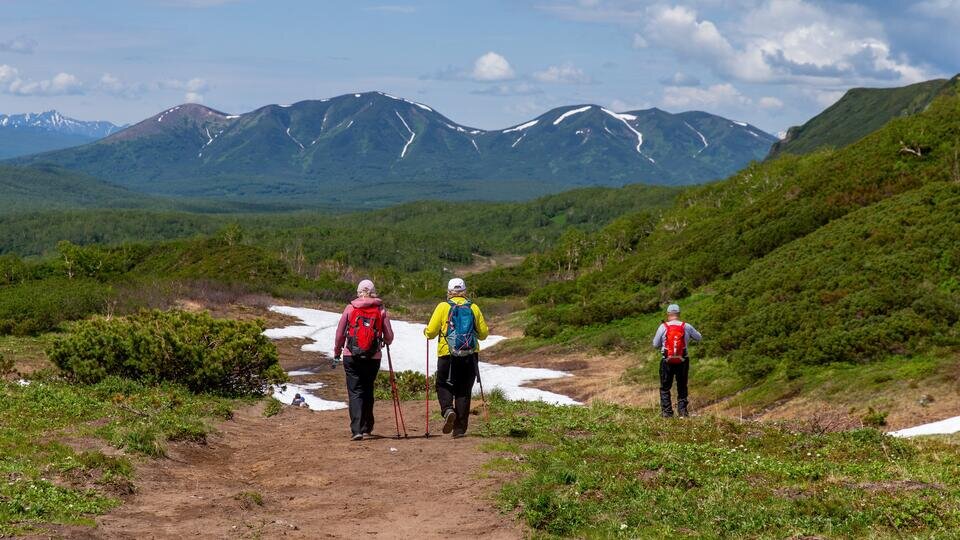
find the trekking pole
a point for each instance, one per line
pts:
(397, 409)
(427, 432)
(483, 398)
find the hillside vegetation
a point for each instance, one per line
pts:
(840, 256)
(858, 113)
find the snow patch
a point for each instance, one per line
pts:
(521, 127)
(232, 116)
(408, 351)
(356, 95)
(741, 124)
(702, 138)
(285, 394)
(516, 142)
(943, 427)
(475, 145)
(623, 118)
(571, 113)
(294, 139)
(412, 135)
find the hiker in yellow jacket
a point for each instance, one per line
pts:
(461, 327)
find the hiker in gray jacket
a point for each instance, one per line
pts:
(671, 339)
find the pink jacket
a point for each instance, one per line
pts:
(338, 346)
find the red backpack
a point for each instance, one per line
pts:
(365, 331)
(675, 343)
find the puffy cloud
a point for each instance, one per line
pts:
(19, 44)
(680, 79)
(59, 85)
(770, 103)
(715, 96)
(193, 88)
(565, 74)
(789, 40)
(492, 67)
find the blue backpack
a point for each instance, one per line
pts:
(461, 333)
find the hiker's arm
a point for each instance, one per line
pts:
(341, 336)
(482, 329)
(693, 334)
(387, 328)
(658, 337)
(433, 327)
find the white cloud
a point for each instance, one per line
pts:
(713, 97)
(564, 74)
(59, 85)
(787, 41)
(492, 67)
(193, 88)
(639, 42)
(19, 44)
(770, 103)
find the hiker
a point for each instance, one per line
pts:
(461, 327)
(298, 401)
(364, 328)
(671, 338)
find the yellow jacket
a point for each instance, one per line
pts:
(438, 324)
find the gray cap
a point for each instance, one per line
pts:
(673, 308)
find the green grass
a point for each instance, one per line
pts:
(48, 481)
(615, 472)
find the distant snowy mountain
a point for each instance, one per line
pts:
(334, 147)
(29, 133)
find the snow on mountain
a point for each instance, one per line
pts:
(55, 122)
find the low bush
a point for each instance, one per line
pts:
(226, 357)
(410, 385)
(33, 307)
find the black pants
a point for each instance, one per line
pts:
(455, 378)
(361, 374)
(668, 372)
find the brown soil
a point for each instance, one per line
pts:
(314, 483)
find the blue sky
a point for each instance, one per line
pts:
(488, 64)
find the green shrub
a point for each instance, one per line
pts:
(874, 418)
(226, 357)
(6, 365)
(410, 385)
(33, 307)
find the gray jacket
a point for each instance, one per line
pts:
(689, 333)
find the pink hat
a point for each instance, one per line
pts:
(366, 286)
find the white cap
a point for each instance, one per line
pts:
(456, 285)
(673, 308)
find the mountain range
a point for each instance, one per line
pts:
(374, 145)
(30, 133)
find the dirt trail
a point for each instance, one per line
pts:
(315, 483)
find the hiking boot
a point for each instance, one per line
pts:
(357, 437)
(666, 414)
(459, 435)
(449, 418)
(682, 408)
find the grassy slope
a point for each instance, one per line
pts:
(613, 472)
(48, 480)
(859, 112)
(789, 267)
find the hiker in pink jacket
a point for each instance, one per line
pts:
(364, 328)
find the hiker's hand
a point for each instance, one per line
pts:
(336, 362)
